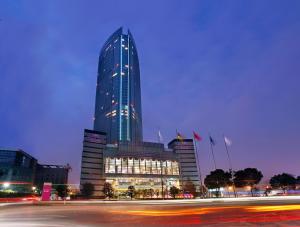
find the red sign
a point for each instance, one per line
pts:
(46, 191)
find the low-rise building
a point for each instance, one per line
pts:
(144, 165)
(56, 174)
(20, 172)
(17, 169)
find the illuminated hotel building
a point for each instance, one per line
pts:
(114, 151)
(118, 110)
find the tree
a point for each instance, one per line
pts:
(298, 180)
(144, 193)
(156, 193)
(138, 193)
(217, 179)
(87, 189)
(108, 190)
(247, 177)
(189, 187)
(131, 191)
(174, 191)
(62, 190)
(151, 192)
(283, 181)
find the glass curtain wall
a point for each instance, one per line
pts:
(141, 166)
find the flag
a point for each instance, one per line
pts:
(180, 137)
(212, 141)
(227, 141)
(197, 136)
(160, 138)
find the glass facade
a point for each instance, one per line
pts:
(17, 166)
(118, 93)
(140, 166)
(121, 184)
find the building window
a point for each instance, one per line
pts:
(130, 165)
(142, 166)
(124, 165)
(154, 167)
(175, 168)
(158, 164)
(119, 165)
(136, 166)
(112, 165)
(164, 167)
(169, 168)
(148, 166)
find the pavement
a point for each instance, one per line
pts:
(262, 211)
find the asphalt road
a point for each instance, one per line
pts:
(283, 212)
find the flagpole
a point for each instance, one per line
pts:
(230, 166)
(158, 139)
(212, 152)
(199, 169)
(229, 160)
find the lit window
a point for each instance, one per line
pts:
(136, 166)
(108, 47)
(130, 165)
(169, 168)
(142, 166)
(154, 168)
(124, 165)
(148, 166)
(164, 167)
(106, 165)
(158, 167)
(175, 168)
(118, 165)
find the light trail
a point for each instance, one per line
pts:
(206, 210)
(273, 208)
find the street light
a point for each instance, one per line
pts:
(33, 188)
(6, 185)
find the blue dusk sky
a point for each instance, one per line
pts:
(215, 67)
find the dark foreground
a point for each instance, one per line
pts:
(152, 213)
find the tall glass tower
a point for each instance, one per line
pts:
(118, 110)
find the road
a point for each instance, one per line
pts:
(247, 212)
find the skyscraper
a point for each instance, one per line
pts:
(118, 110)
(114, 152)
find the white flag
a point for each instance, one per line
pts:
(160, 136)
(227, 141)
